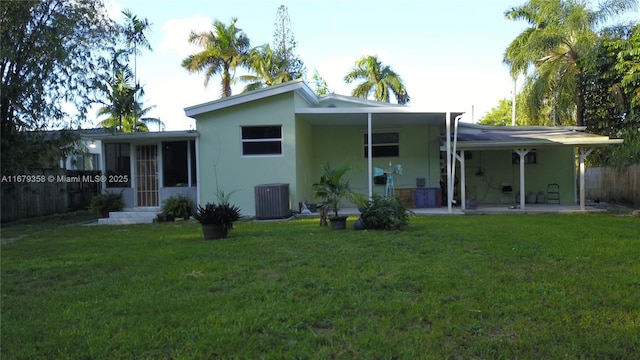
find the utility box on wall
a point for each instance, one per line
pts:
(272, 201)
(427, 197)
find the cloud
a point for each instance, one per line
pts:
(175, 33)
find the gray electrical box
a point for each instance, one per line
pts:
(272, 201)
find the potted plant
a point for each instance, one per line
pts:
(103, 204)
(332, 189)
(217, 218)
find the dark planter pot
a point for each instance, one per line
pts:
(214, 231)
(338, 223)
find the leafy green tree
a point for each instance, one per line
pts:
(51, 52)
(225, 48)
(611, 79)
(285, 45)
(378, 79)
(560, 32)
(499, 115)
(320, 84)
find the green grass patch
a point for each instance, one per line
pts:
(509, 286)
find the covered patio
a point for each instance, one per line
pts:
(522, 141)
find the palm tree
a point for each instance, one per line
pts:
(561, 32)
(225, 48)
(269, 69)
(377, 78)
(133, 31)
(121, 105)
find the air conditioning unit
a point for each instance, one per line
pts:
(272, 201)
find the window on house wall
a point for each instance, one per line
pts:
(175, 163)
(530, 158)
(261, 140)
(383, 144)
(85, 162)
(118, 164)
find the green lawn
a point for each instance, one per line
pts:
(449, 287)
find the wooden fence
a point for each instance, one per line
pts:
(613, 185)
(36, 193)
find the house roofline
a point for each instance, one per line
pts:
(298, 86)
(190, 134)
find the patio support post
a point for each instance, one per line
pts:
(449, 179)
(370, 157)
(583, 155)
(522, 153)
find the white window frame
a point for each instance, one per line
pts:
(263, 140)
(374, 144)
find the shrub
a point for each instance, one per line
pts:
(384, 214)
(179, 205)
(102, 204)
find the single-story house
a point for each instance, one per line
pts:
(276, 139)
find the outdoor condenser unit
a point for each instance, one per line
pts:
(272, 201)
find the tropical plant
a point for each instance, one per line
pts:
(121, 107)
(384, 213)
(220, 212)
(180, 206)
(224, 49)
(378, 79)
(320, 84)
(560, 33)
(102, 204)
(134, 33)
(333, 188)
(269, 69)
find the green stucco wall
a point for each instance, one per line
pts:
(221, 163)
(553, 165)
(419, 154)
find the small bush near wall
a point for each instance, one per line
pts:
(179, 206)
(385, 214)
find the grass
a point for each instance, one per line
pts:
(450, 287)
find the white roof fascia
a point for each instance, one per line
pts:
(366, 110)
(299, 86)
(354, 100)
(192, 134)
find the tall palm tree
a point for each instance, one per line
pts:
(134, 34)
(224, 49)
(377, 78)
(561, 32)
(122, 107)
(269, 69)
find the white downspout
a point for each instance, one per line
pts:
(463, 183)
(449, 179)
(370, 157)
(454, 154)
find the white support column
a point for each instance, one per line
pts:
(583, 155)
(463, 181)
(449, 179)
(370, 157)
(522, 153)
(198, 180)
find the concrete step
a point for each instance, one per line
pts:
(111, 221)
(131, 216)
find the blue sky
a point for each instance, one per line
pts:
(449, 52)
